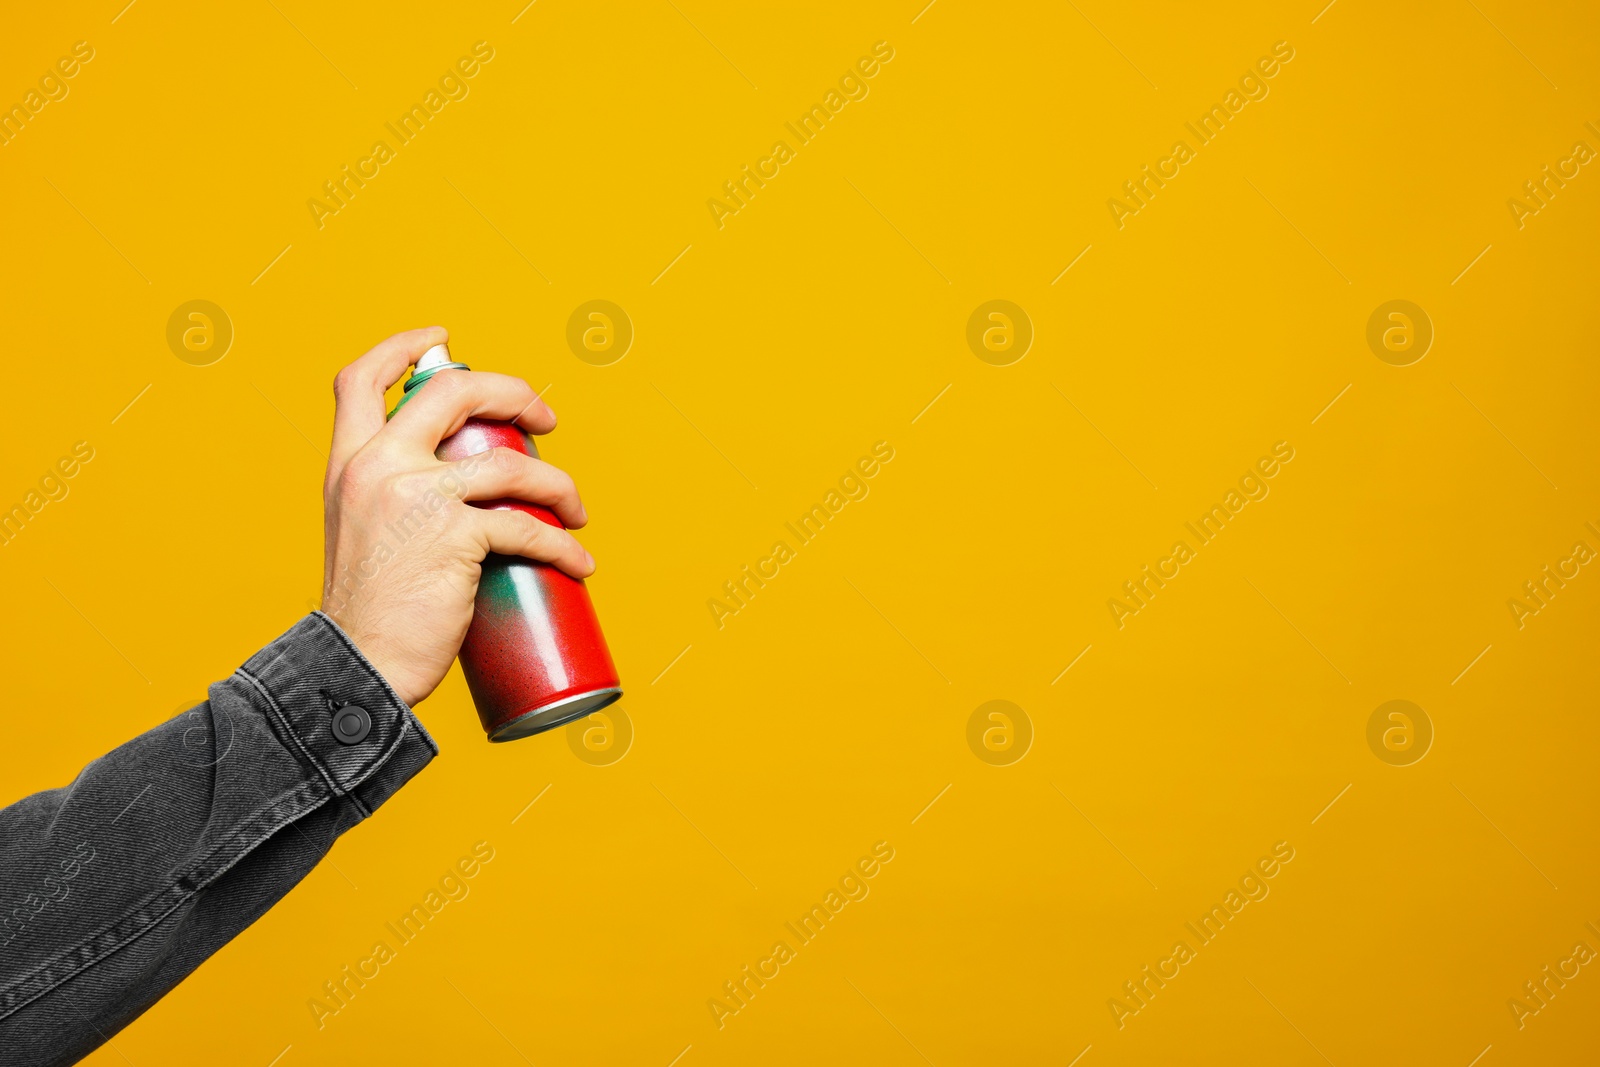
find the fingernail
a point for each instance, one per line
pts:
(589, 559)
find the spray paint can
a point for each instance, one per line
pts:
(534, 656)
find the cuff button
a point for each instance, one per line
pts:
(351, 724)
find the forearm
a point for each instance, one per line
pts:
(115, 888)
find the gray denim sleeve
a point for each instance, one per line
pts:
(115, 888)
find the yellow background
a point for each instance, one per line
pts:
(822, 318)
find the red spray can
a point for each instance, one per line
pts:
(534, 656)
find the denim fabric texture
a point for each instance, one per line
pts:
(116, 887)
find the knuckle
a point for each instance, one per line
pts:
(350, 491)
(370, 476)
(460, 521)
(558, 479)
(358, 474)
(511, 382)
(523, 395)
(413, 504)
(454, 480)
(530, 529)
(396, 491)
(448, 384)
(555, 481)
(406, 485)
(543, 537)
(347, 381)
(505, 460)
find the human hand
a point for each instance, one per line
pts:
(402, 547)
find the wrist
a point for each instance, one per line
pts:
(389, 664)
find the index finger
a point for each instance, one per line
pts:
(358, 390)
(451, 397)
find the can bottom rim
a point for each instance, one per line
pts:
(549, 716)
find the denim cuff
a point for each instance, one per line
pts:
(313, 673)
(118, 884)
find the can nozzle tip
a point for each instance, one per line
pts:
(434, 358)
